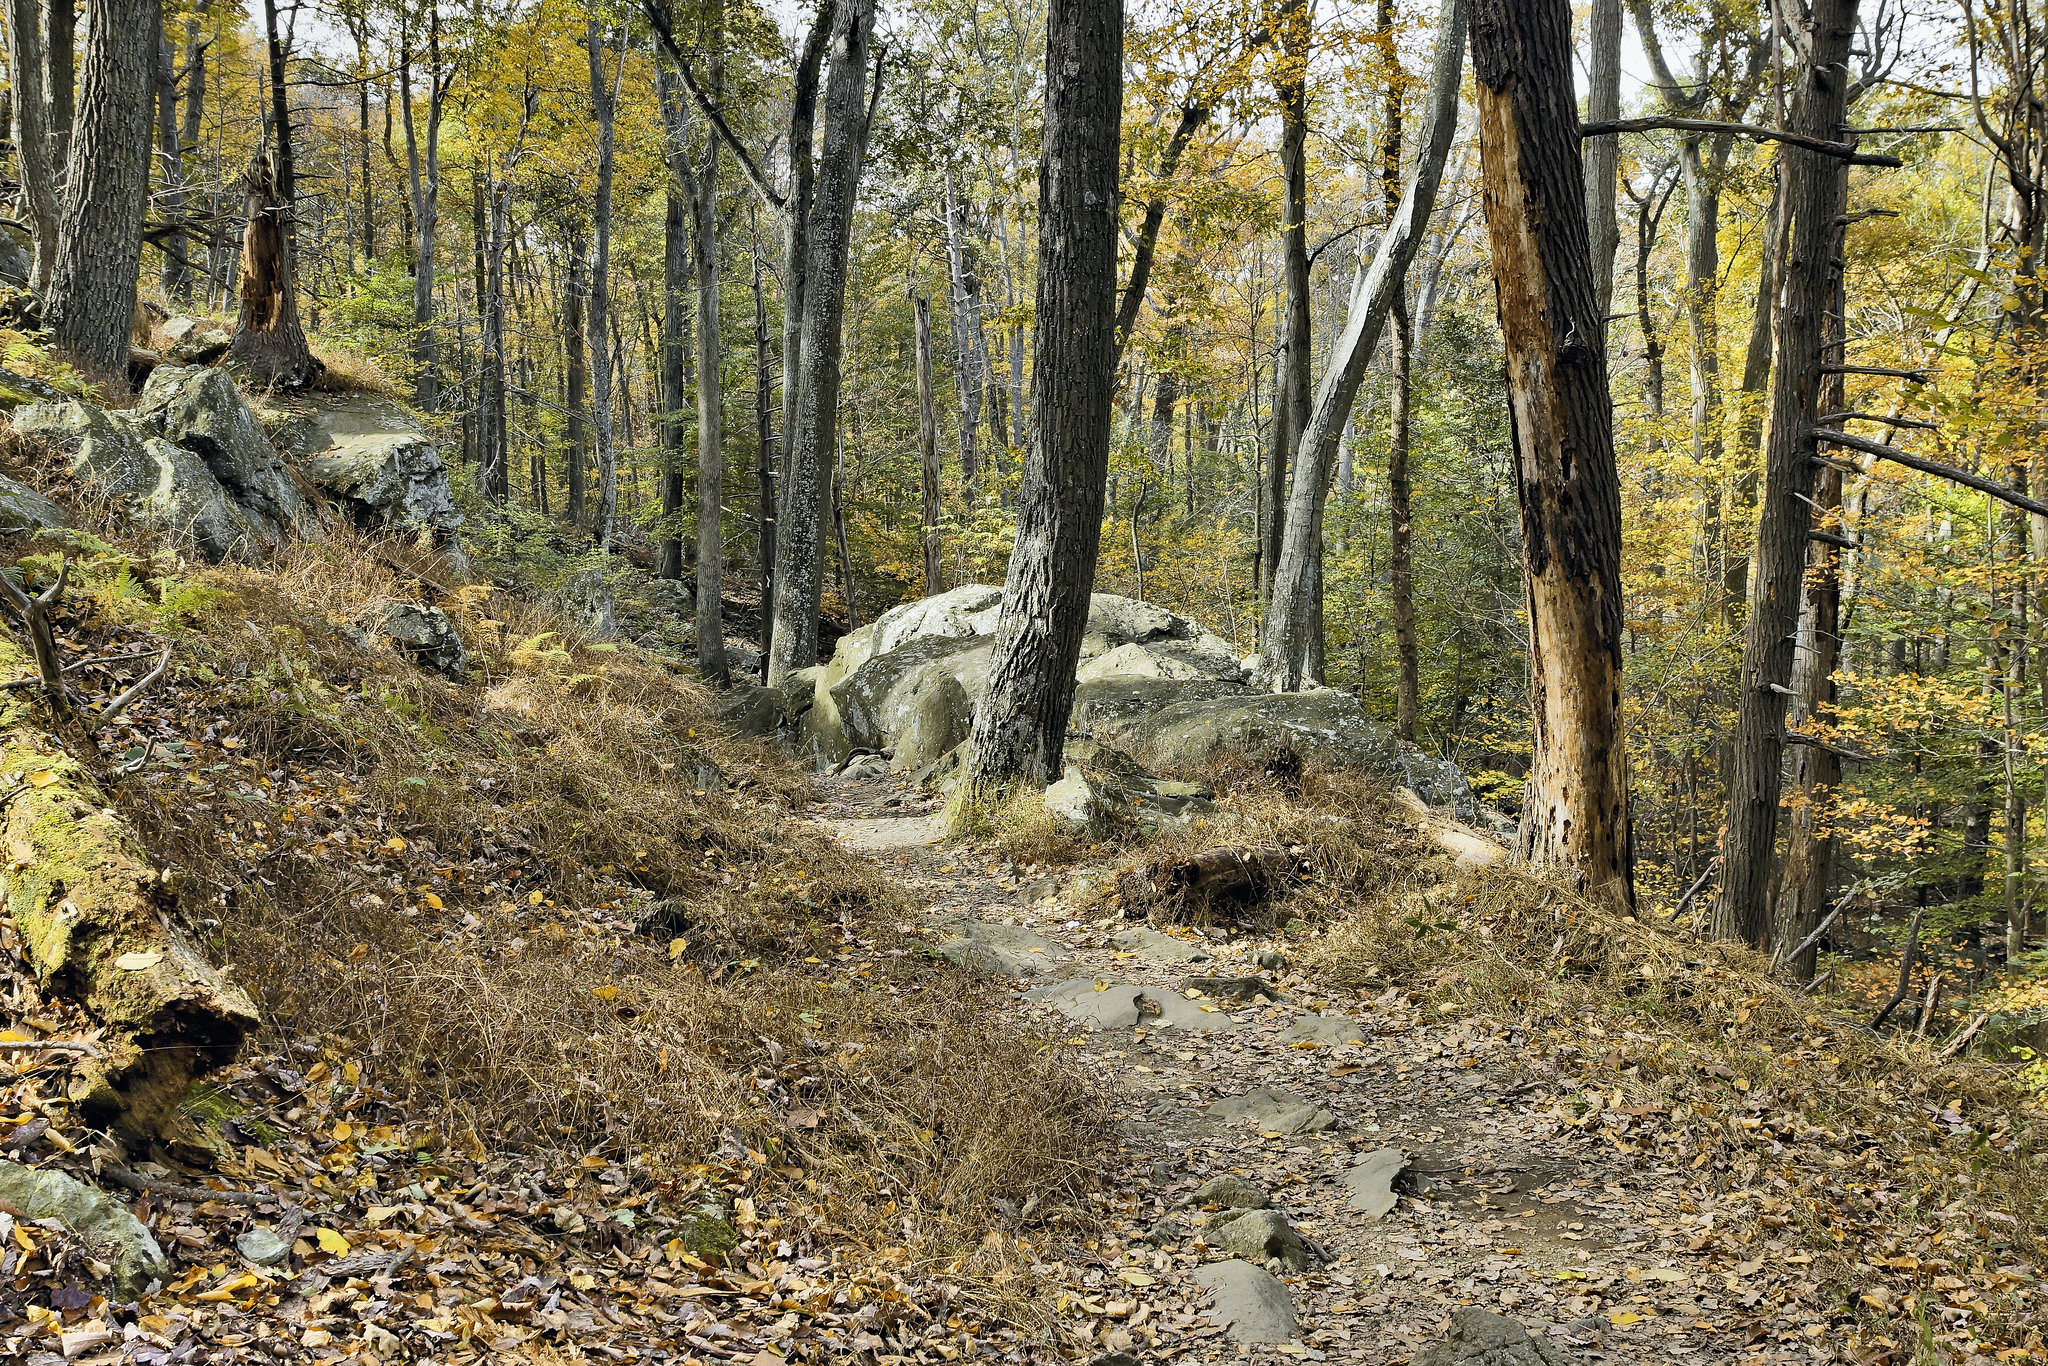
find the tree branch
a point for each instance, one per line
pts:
(1952, 473)
(1193, 115)
(663, 23)
(1841, 150)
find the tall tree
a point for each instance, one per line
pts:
(1812, 187)
(807, 473)
(1603, 154)
(927, 444)
(676, 289)
(176, 275)
(604, 101)
(60, 77)
(27, 53)
(1295, 24)
(1401, 361)
(1020, 727)
(91, 299)
(1286, 649)
(423, 179)
(576, 373)
(1575, 814)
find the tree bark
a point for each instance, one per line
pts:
(575, 291)
(675, 282)
(703, 191)
(764, 445)
(60, 78)
(1576, 816)
(1813, 188)
(494, 475)
(603, 98)
(969, 359)
(27, 54)
(1145, 245)
(176, 275)
(1603, 102)
(91, 301)
(423, 177)
(1290, 616)
(928, 444)
(1400, 530)
(1291, 392)
(806, 483)
(1020, 728)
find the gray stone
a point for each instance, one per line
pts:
(750, 710)
(427, 636)
(1251, 1303)
(1167, 1232)
(1083, 806)
(1004, 950)
(198, 345)
(1437, 781)
(587, 604)
(916, 699)
(200, 409)
(17, 389)
(1272, 1110)
(94, 1217)
(1161, 948)
(1324, 726)
(1241, 990)
(23, 510)
(263, 1246)
(1371, 1181)
(1117, 1005)
(163, 486)
(1323, 1029)
(1479, 1338)
(1271, 961)
(1115, 1359)
(374, 458)
(1260, 1235)
(178, 328)
(1230, 1192)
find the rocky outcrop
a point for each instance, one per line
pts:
(164, 486)
(375, 461)
(23, 511)
(188, 341)
(201, 410)
(426, 637)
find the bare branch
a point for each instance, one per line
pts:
(2003, 493)
(1841, 150)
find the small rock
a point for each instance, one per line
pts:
(22, 509)
(750, 710)
(1231, 1192)
(1115, 1359)
(1241, 989)
(426, 634)
(92, 1216)
(1251, 1303)
(1167, 1232)
(1271, 961)
(1371, 1181)
(1115, 1005)
(1161, 948)
(1003, 950)
(1479, 1338)
(569, 1220)
(262, 1246)
(1324, 1029)
(1259, 1234)
(1275, 1111)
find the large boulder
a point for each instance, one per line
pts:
(23, 511)
(1324, 726)
(200, 409)
(373, 458)
(162, 485)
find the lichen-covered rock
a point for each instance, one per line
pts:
(200, 409)
(94, 1217)
(375, 460)
(917, 699)
(1259, 1235)
(589, 605)
(427, 637)
(163, 486)
(1324, 726)
(1478, 1338)
(24, 511)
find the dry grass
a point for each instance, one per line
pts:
(556, 907)
(345, 372)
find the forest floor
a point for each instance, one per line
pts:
(1517, 1196)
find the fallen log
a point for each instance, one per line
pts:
(92, 912)
(1468, 846)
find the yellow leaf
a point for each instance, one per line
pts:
(330, 1241)
(677, 946)
(343, 1132)
(1622, 1318)
(536, 898)
(430, 900)
(582, 1280)
(138, 962)
(351, 1073)
(1136, 1278)
(42, 777)
(606, 992)
(395, 844)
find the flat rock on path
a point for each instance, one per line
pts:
(1527, 1222)
(1004, 950)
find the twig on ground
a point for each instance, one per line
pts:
(48, 1046)
(1962, 1037)
(142, 685)
(134, 1181)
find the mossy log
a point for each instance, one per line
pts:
(93, 914)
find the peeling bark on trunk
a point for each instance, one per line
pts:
(1020, 727)
(85, 897)
(91, 300)
(269, 348)
(1575, 817)
(1812, 195)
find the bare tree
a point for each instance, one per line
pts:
(269, 344)
(1020, 727)
(1575, 816)
(423, 178)
(1603, 101)
(576, 368)
(1401, 360)
(1291, 392)
(676, 287)
(91, 298)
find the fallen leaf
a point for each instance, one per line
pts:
(42, 777)
(330, 1241)
(138, 962)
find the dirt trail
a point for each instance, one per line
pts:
(1504, 1202)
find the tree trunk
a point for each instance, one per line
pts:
(1603, 103)
(806, 483)
(928, 444)
(269, 346)
(423, 177)
(764, 445)
(60, 76)
(91, 301)
(675, 276)
(1290, 394)
(1401, 361)
(494, 475)
(1020, 727)
(575, 291)
(967, 359)
(27, 54)
(603, 98)
(1813, 187)
(1290, 611)
(176, 275)
(1575, 816)
(703, 187)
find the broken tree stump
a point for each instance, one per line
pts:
(1228, 873)
(92, 912)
